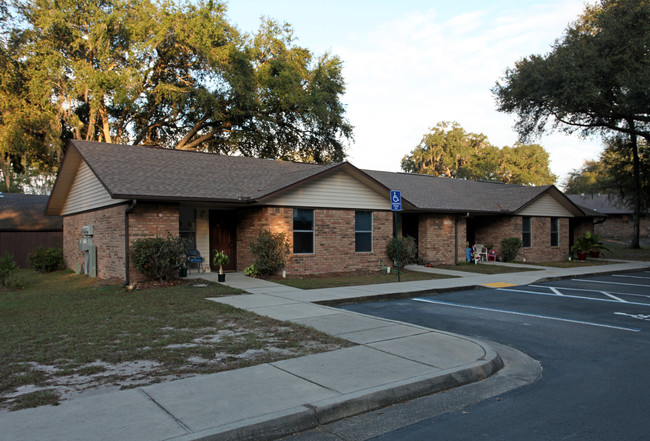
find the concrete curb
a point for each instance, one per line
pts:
(431, 291)
(311, 415)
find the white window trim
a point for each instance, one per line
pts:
(312, 231)
(371, 231)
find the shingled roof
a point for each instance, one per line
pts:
(130, 172)
(25, 212)
(603, 204)
(432, 193)
(151, 173)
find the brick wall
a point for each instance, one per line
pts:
(492, 230)
(150, 220)
(334, 239)
(622, 227)
(541, 249)
(437, 236)
(108, 225)
(253, 220)
(146, 220)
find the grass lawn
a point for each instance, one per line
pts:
(63, 334)
(483, 268)
(621, 250)
(354, 278)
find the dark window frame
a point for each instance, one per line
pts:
(359, 233)
(301, 233)
(187, 226)
(555, 232)
(527, 232)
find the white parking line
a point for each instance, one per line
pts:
(564, 288)
(610, 283)
(555, 291)
(636, 316)
(545, 317)
(571, 297)
(631, 277)
(613, 296)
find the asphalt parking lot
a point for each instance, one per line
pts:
(591, 336)
(619, 301)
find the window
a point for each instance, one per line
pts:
(555, 232)
(303, 231)
(526, 232)
(187, 226)
(363, 231)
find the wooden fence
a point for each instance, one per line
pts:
(21, 243)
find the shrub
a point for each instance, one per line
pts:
(408, 250)
(158, 258)
(7, 268)
(251, 271)
(46, 260)
(270, 251)
(510, 248)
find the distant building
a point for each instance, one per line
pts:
(24, 226)
(612, 218)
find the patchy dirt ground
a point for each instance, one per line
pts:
(66, 336)
(52, 384)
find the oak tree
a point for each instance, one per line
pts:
(449, 151)
(177, 75)
(594, 81)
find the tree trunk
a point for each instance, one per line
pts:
(636, 217)
(106, 128)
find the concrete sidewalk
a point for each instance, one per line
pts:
(392, 362)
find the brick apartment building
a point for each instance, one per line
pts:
(336, 216)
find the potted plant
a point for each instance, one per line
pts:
(596, 245)
(582, 247)
(221, 259)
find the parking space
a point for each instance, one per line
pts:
(620, 302)
(591, 335)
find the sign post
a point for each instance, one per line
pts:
(395, 206)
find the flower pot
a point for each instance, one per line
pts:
(183, 272)
(582, 256)
(594, 253)
(221, 277)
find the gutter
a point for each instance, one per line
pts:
(128, 210)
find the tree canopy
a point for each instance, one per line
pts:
(177, 75)
(449, 151)
(613, 173)
(594, 81)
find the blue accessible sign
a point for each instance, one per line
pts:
(395, 200)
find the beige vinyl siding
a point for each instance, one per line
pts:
(87, 193)
(339, 190)
(546, 206)
(203, 234)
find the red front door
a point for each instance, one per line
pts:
(223, 228)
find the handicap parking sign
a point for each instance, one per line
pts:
(395, 200)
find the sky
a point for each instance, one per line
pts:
(409, 64)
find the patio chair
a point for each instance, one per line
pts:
(482, 251)
(492, 255)
(194, 257)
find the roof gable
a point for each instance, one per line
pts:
(548, 205)
(340, 188)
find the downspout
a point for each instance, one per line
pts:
(456, 240)
(129, 209)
